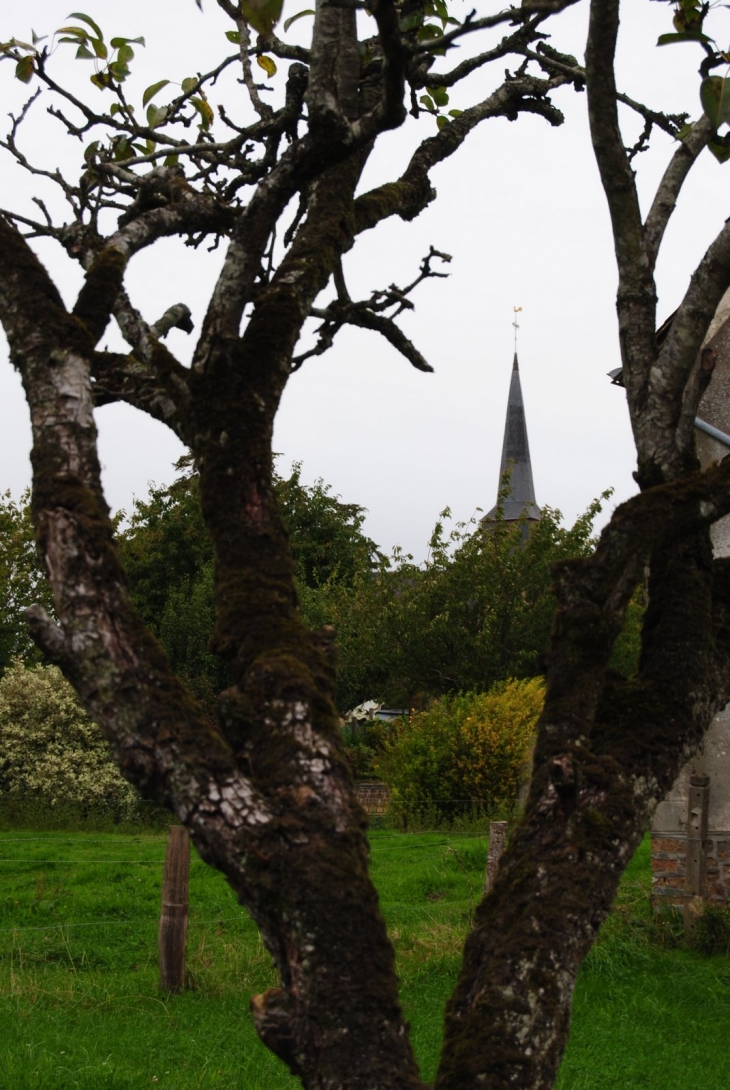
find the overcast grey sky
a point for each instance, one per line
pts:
(522, 214)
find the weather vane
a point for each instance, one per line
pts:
(515, 323)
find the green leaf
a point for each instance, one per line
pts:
(84, 54)
(233, 36)
(77, 31)
(14, 43)
(189, 84)
(152, 114)
(267, 63)
(455, 113)
(24, 69)
(410, 22)
(205, 111)
(91, 151)
(121, 149)
(100, 80)
(99, 48)
(720, 149)
(118, 71)
(442, 12)
(171, 160)
(683, 36)
(154, 88)
(89, 22)
(441, 121)
(125, 54)
(35, 38)
(117, 42)
(427, 102)
(439, 94)
(262, 15)
(150, 145)
(299, 15)
(715, 97)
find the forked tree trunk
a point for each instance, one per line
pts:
(266, 792)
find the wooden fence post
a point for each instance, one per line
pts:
(497, 844)
(698, 805)
(174, 914)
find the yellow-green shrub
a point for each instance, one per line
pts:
(49, 747)
(466, 753)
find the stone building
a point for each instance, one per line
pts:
(691, 827)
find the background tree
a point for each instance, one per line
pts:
(51, 753)
(466, 754)
(265, 788)
(168, 557)
(22, 580)
(479, 611)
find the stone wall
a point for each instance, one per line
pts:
(373, 797)
(672, 818)
(669, 869)
(675, 872)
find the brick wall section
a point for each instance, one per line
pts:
(718, 869)
(374, 798)
(668, 867)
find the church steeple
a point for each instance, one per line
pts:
(520, 502)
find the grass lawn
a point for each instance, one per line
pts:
(79, 1006)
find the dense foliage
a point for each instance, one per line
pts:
(22, 580)
(478, 611)
(168, 556)
(468, 753)
(49, 747)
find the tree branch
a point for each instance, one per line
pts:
(332, 94)
(175, 317)
(671, 184)
(412, 192)
(269, 43)
(512, 43)
(469, 26)
(369, 314)
(656, 427)
(616, 173)
(390, 111)
(262, 108)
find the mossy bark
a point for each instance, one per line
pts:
(307, 884)
(265, 790)
(608, 750)
(267, 793)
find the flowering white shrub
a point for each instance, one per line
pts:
(49, 747)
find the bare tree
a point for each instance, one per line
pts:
(265, 792)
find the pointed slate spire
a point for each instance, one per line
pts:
(516, 459)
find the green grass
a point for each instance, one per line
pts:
(80, 1009)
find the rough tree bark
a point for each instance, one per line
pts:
(265, 791)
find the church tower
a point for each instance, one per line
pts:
(520, 502)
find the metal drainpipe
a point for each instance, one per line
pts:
(708, 429)
(617, 379)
